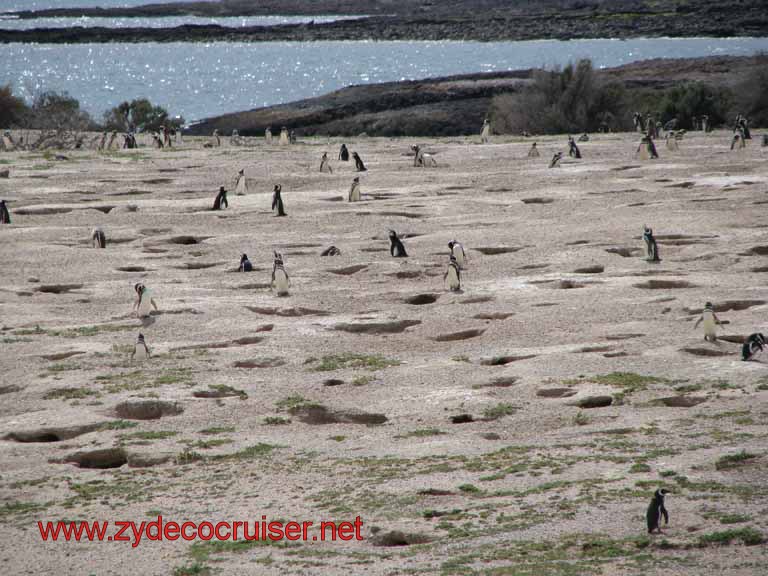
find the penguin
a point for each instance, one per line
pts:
(245, 264)
(421, 159)
(144, 301)
(354, 191)
(241, 184)
(325, 165)
(292, 137)
(555, 163)
(280, 280)
(573, 149)
(98, 238)
(753, 344)
(268, 135)
(655, 511)
(277, 200)
(284, 136)
(647, 149)
(671, 141)
(5, 216)
(710, 322)
(216, 138)
(396, 248)
(651, 248)
(584, 137)
(221, 200)
(738, 140)
(457, 252)
(331, 251)
(359, 166)
(485, 134)
(343, 153)
(637, 119)
(453, 275)
(140, 350)
(534, 151)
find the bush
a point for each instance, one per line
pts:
(752, 94)
(571, 100)
(695, 99)
(139, 115)
(13, 109)
(52, 110)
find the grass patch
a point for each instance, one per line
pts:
(208, 444)
(734, 519)
(348, 360)
(422, 433)
(16, 340)
(733, 460)
(158, 435)
(337, 438)
(229, 391)
(470, 489)
(749, 536)
(195, 569)
(629, 382)
(363, 380)
(202, 551)
(580, 419)
(249, 453)
(85, 331)
(276, 421)
(293, 402)
(69, 394)
(188, 457)
(499, 411)
(118, 425)
(218, 430)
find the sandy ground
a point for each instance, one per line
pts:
(534, 485)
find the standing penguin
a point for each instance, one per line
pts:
(647, 149)
(284, 136)
(453, 275)
(534, 151)
(140, 350)
(485, 134)
(268, 135)
(280, 280)
(671, 141)
(5, 216)
(396, 248)
(331, 251)
(245, 264)
(221, 200)
(710, 322)
(573, 149)
(457, 252)
(359, 166)
(277, 200)
(752, 345)
(343, 153)
(216, 138)
(241, 184)
(555, 162)
(325, 164)
(144, 301)
(98, 238)
(651, 248)
(354, 191)
(655, 511)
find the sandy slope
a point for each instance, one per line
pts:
(545, 491)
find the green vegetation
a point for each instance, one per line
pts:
(218, 430)
(158, 435)
(276, 421)
(69, 394)
(118, 425)
(194, 569)
(581, 419)
(499, 411)
(349, 360)
(293, 402)
(422, 433)
(733, 460)
(749, 536)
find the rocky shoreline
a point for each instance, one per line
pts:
(692, 19)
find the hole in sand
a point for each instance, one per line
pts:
(597, 269)
(682, 185)
(62, 355)
(183, 240)
(157, 181)
(147, 409)
(398, 538)
(493, 315)
(705, 352)
(287, 312)
(504, 360)
(394, 327)
(623, 336)
(58, 288)
(42, 211)
(462, 419)
(623, 252)
(131, 269)
(197, 265)
(556, 392)
(260, 363)
(503, 382)
(537, 200)
(9, 389)
(318, 415)
(567, 285)
(588, 349)
(349, 270)
(594, 402)
(422, 299)
(664, 285)
(477, 300)
(406, 274)
(333, 382)
(494, 250)
(681, 401)
(462, 335)
(100, 459)
(758, 250)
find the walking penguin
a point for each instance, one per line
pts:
(396, 248)
(453, 275)
(98, 238)
(359, 166)
(555, 163)
(710, 322)
(354, 191)
(5, 217)
(144, 301)
(245, 264)
(140, 350)
(651, 248)
(280, 280)
(457, 252)
(655, 510)
(277, 200)
(221, 200)
(752, 345)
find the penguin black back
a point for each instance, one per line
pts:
(752, 345)
(343, 153)
(5, 217)
(359, 166)
(556, 159)
(656, 510)
(221, 200)
(650, 244)
(396, 248)
(277, 200)
(245, 264)
(98, 238)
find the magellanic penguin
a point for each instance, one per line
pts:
(573, 149)
(284, 136)
(140, 350)
(241, 183)
(396, 248)
(325, 164)
(752, 345)
(485, 134)
(5, 216)
(354, 191)
(671, 141)
(268, 135)
(359, 166)
(344, 153)
(221, 201)
(144, 301)
(710, 322)
(216, 138)
(331, 251)
(98, 238)
(245, 264)
(280, 280)
(584, 137)
(651, 248)
(534, 151)
(655, 511)
(457, 252)
(453, 275)
(555, 163)
(277, 200)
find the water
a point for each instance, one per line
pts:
(14, 5)
(199, 80)
(8, 23)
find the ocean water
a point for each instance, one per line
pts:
(199, 80)
(14, 5)
(9, 23)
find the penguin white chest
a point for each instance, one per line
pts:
(709, 324)
(140, 352)
(281, 282)
(354, 194)
(453, 279)
(458, 253)
(145, 305)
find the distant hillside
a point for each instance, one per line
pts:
(448, 106)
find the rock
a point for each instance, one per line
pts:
(592, 401)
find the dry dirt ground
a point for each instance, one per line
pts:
(337, 400)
